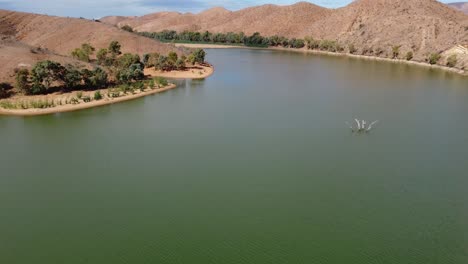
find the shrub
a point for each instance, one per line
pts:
(151, 84)
(452, 60)
(97, 95)
(162, 81)
(395, 51)
(86, 99)
(127, 28)
(79, 94)
(74, 100)
(409, 55)
(433, 58)
(83, 53)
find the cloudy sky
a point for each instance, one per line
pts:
(100, 8)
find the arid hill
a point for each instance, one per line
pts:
(423, 26)
(288, 21)
(462, 6)
(27, 38)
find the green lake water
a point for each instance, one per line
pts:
(252, 165)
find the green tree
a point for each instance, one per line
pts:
(103, 58)
(128, 59)
(180, 64)
(114, 48)
(434, 58)
(172, 57)
(71, 77)
(83, 53)
(199, 56)
(43, 74)
(452, 60)
(96, 78)
(133, 72)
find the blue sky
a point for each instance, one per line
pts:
(100, 8)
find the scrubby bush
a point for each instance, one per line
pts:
(83, 53)
(97, 95)
(433, 58)
(127, 28)
(409, 55)
(452, 60)
(162, 82)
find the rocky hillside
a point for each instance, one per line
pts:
(373, 26)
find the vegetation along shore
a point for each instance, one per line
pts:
(308, 44)
(110, 77)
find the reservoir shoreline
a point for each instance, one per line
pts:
(417, 63)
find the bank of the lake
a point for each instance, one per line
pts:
(191, 72)
(305, 50)
(106, 100)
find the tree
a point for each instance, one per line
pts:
(128, 59)
(199, 56)
(22, 80)
(434, 58)
(180, 64)
(71, 77)
(452, 60)
(96, 78)
(114, 48)
(409, 55)
(127, 28)
(43, 74)
(172, 57)
(134, 72)
(102, 58)
(83, 53)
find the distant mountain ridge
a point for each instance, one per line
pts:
(462, 6)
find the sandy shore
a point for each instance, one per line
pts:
(209, 46)
(82, 105)
(194, 72)
(417, 63)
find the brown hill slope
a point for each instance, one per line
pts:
(62, 35)
(421, 25)
(21, 33)
(266, 19)
(461, 6)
